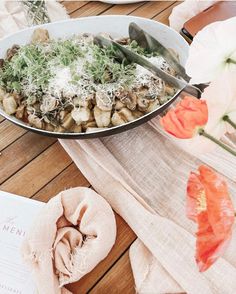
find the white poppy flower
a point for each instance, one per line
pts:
(220, 97)
(212, 51)
(221, 101)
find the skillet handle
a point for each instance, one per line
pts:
(193, 90)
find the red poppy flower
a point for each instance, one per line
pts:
(184, 120)
(209, 204)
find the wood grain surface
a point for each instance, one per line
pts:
(37, 167)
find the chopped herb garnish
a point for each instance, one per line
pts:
(31, 68)
(72, 84)
(65, 51)
(139, 50)
(105, 68)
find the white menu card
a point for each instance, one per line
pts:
(16, 216)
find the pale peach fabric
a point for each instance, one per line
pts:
(73, 232)
(144, 179)
(148, 272)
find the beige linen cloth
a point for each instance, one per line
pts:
(13, 18)
(143, 175)
(74, 231)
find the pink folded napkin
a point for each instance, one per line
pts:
(73, 232)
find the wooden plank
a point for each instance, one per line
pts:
(164, 16)
(125, 236)
(118, 280)
(90, 9)
(18, 154)
(1, 118)
(72, 6)
(69, 178)
(151, 9)
(123, 9)
(9, 133)
(36, 174)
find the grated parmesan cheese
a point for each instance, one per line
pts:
(61, 85)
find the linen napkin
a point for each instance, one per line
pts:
(73, 232)
(13, 17)
(145, 177)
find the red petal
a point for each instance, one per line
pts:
(173, 126)
(215, 222)
(208, 247)
(187, 116)
(194, 189)
(220, 207)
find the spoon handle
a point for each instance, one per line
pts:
(132, 57)
(148, 42)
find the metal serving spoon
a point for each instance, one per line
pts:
(122, 53)
(149, 43)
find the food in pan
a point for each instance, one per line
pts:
(73, 85)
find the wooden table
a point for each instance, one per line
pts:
(37, 167)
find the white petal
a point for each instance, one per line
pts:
(210, 49)
(220, 96)
(232, 116)
(197, 145)
(218, 130)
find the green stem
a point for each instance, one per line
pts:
(228, 120)
(213, 139)
(229, 60)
